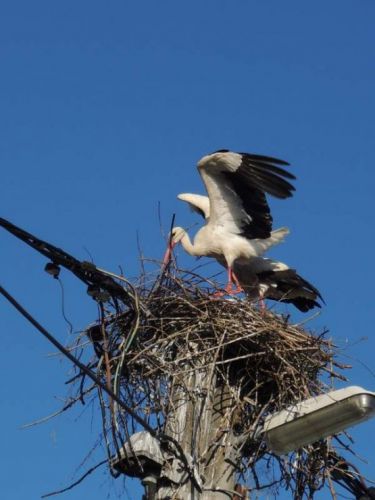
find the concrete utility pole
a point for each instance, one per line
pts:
(200, 419)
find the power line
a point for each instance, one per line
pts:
(76, 361)
(158, 435)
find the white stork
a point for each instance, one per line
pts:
(260, 277)
(267, 278)
(239, 223)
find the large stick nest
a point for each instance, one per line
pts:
(259, 352)
(172, 327)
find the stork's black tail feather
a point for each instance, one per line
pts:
(288, 286)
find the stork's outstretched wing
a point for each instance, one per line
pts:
(237, 184)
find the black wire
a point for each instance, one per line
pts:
(74, 360)
(63, 306)
(163, 438)
(85, 271)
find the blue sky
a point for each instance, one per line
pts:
(105, 110)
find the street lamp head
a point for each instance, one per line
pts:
(317, 418)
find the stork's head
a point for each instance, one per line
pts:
(175, 236)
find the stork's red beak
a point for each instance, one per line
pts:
(168, 254)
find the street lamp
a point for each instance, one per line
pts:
(317, 417)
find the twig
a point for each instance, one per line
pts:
(71, 486)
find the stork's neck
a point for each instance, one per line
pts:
(188, 246)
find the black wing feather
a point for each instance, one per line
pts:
(256, 176)
(267, 159)
(258, 222)
(288, 286)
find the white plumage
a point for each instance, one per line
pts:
(260, 277)
(201, 204)
(238, 219)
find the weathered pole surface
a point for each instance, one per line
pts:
(199, 419)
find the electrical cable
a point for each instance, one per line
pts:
(74, 360)
(163, 438)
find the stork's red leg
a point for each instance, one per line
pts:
(239, 288)
(229, 288)
(232, 278)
